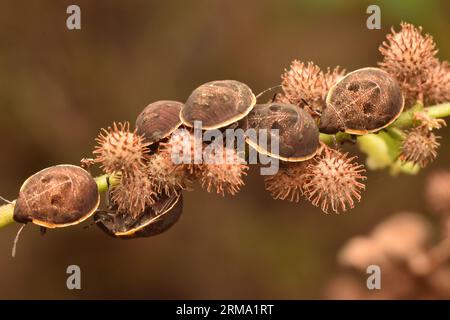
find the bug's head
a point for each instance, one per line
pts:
(330, 122)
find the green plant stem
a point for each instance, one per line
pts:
(339, 137)
(6, 215)
(439, 111)
(407, 118)
(7, 211)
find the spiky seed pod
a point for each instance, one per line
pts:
(288, 182)
(407, 52)
(419, 146)
(331, 77)
(409, 56)
(184, 148)
(304, 83)
(428, 123)
(119, 149)
(224, 175)
(438, 84)
(167, 176)
(334, 180)
(133, 194)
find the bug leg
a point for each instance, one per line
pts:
(98, 220)
(335, 142)
(86, 164)
(353, 139)
(274, 97)
(233, 126)
(43, 231)
(108, 193)
(311, 111)
(5, 200)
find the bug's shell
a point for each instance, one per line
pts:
(158, 120)
(218, 104)
(364, 101)
(298, 132)
(57, 197)
(155, 220)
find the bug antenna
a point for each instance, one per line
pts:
(5, 200)
(267, 90)
(16, 240)
(274, 97)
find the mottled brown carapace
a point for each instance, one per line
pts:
(297, 131)
(154, 220)
(158, 120)
(57, 197)
(218, 104)
(364, 101)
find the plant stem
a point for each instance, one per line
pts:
(404, 121)
(7, 211)
(439, 111)
(407, 118)
(339, 137)
(6, 215)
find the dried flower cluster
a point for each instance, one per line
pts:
(419, 147)
(133, 194)
(123, 152)
(288, 182)
(331, 180)
(146, 175)
(411, 58)
(224, 175)
(420, 144)
(120, 150)
(334, 180)
(438, 84)
(306, 85)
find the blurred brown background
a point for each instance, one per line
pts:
(59, 87)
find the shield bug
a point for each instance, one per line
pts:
(56, 197)
(364, 101)
(159, 120)
(155, 219)
(218, 104)
(298, 135)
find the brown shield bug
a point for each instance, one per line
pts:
(364, 101)
(159, 120)
(298, 133)
(218, 104)
(56, 197)
(156, 219)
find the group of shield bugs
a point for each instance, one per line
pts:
(145, 185)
